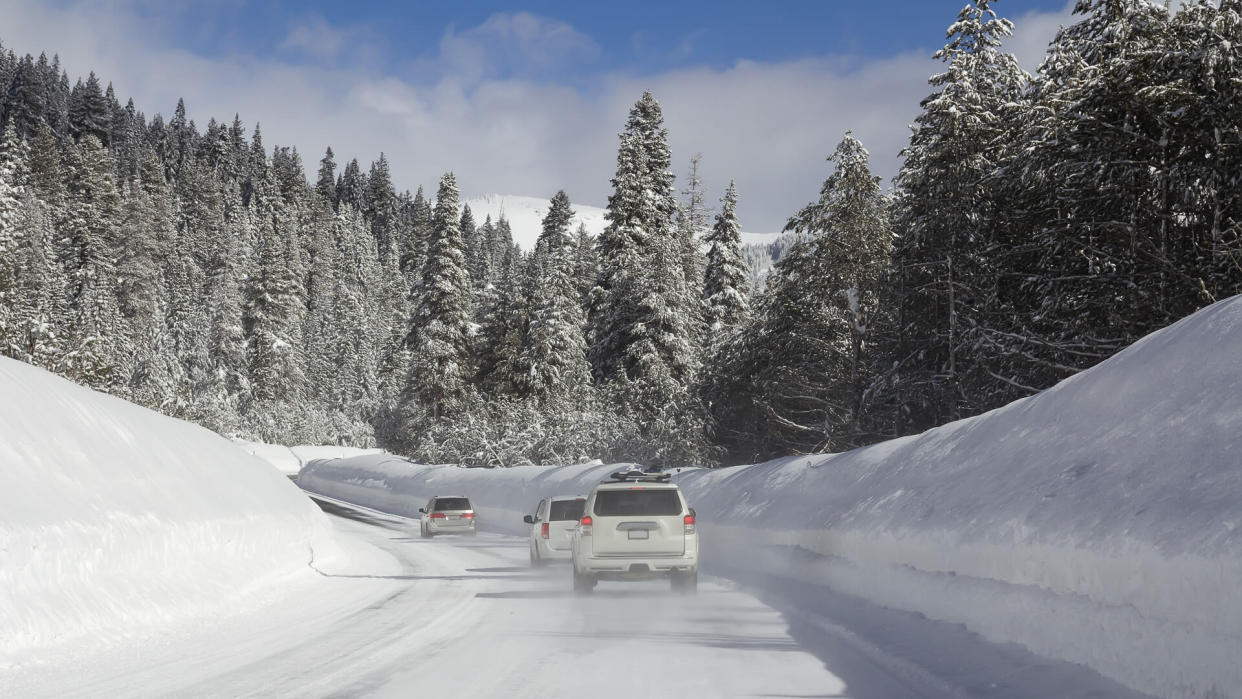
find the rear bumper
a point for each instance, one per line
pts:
(463, 526)
(638, 567)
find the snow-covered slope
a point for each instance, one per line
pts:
(115, 520)
(1097, 522)
(525, 215)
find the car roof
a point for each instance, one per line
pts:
(444, 497)
(636, 485)
(558, 498)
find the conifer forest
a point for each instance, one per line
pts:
(1039, 224)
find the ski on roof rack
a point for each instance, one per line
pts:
(637, 476)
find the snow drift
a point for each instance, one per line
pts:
(115, 519)
(1096, 522)
(290, 460)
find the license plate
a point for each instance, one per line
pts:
(638, 533)
(454, 516)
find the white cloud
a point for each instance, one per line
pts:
(485, 108)
(316, 38)
(1033, 31)
(520, 44)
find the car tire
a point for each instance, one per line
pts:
(534, 559)
(584, 583)
(424, 532)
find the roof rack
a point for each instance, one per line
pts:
(636, 476)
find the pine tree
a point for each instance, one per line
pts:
(692, 219)
(381, 203)
(89, 111)
(946, 221)
(640, 323)
(502, 319)
(727, 277)
(228, 385)
(325, 185)
(351, 189)
(26, 102)
(439, 327)
(470, 241)
(414, 248)
(13, 157)
(1095, 174)
(275, 303)
(586, 264)
(13, 164)
(644, 316)
(93, 208)
(796, 378)
(555, 364)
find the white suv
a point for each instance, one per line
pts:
(633, 527)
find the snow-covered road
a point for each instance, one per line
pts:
(468, 617)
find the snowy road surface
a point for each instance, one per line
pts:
(468, 617)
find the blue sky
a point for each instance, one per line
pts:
(527, 99)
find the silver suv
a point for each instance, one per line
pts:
(636, 526)
(447, 514)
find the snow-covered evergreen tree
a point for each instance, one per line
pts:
(947, 234)
(439, 326)
(726, 281)
(274, 305)
(554, 360)
(1096, 179)
(89, 242)
(325, 184)
(381, 207)
(13, 156)
(796, 378)
(641, 315)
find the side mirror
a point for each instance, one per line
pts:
(692, 512)
(528, 519)
(422, 511)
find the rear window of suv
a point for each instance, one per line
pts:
(566, 509)
(624, 503)
(444, 504)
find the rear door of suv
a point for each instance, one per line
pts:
(562, 519)
(638, 520)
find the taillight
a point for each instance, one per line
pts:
(437, 515)
(584, 525)
(689, 520)
(467, 515)
(543, 530)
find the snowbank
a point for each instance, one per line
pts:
(289, 460)
(1096, 522)
(115, 519)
